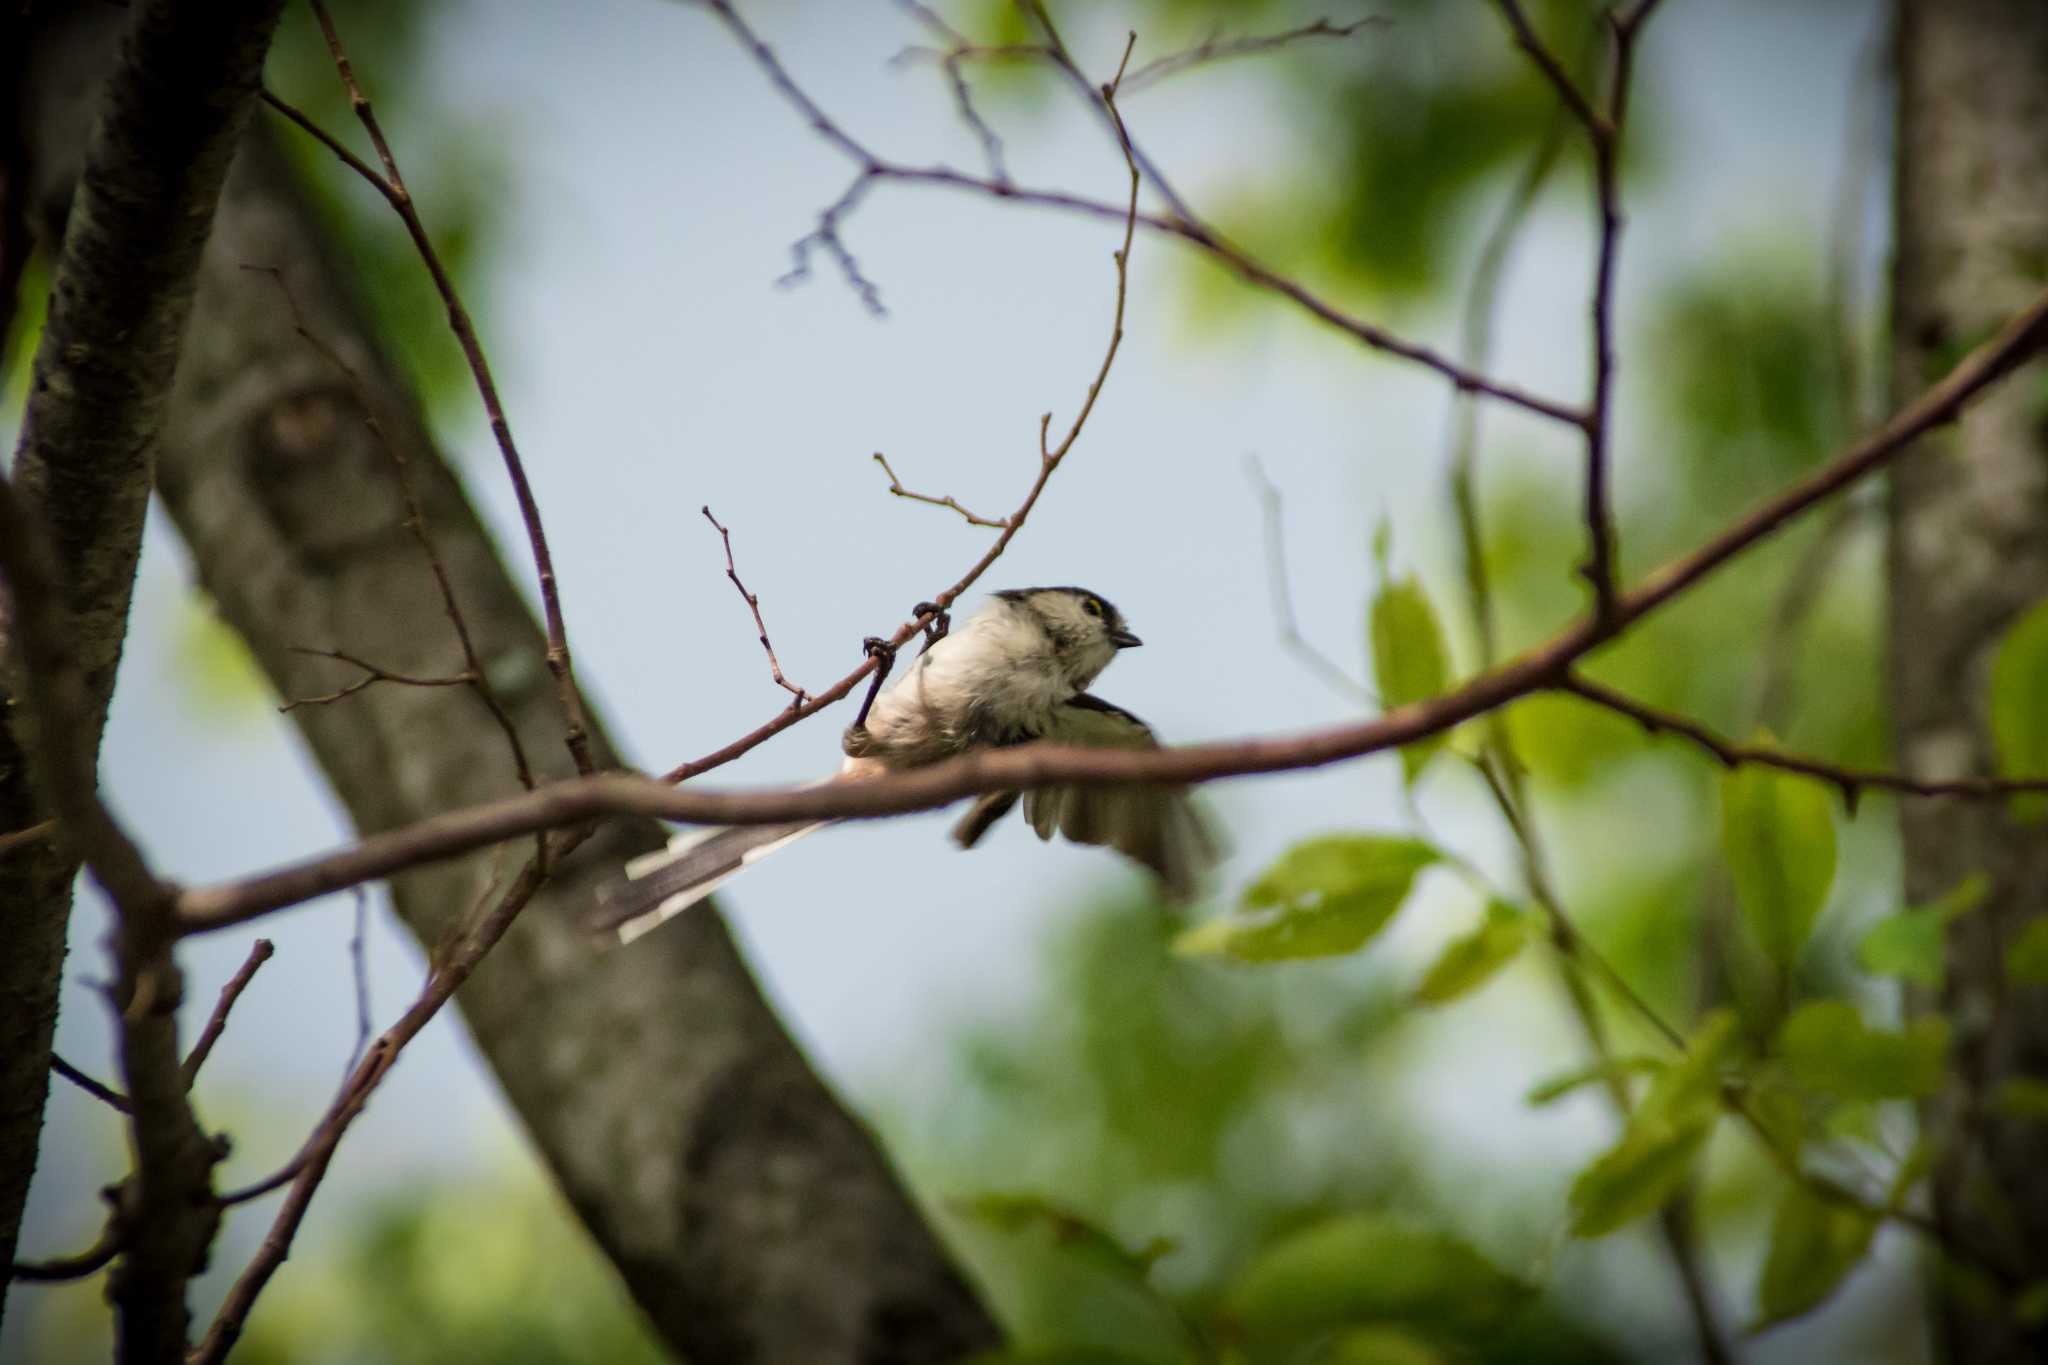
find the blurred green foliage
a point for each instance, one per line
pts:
(1168, 1157)
(494, 1271)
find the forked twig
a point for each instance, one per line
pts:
(1049, 456)
(259, 953)
(391, 185)
(372, 675)
(973, 519)
(416, 521)
(753, 602)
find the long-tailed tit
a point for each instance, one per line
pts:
(1016, 671)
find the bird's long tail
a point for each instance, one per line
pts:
(656, 887)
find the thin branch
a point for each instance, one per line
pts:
(452, 967)
(99, 1090)
(871, 169)
(259, 953)
(391, 185)
(952, 61)
(567, 803)
(21, 838)
(896, 487)
(372, 675)
(359, 970)
(416, 521)
(1222, 49)
(1546, 61)
(1049, 458)
(1676, 1223)
(1286, 623)
(1851, 782)
(1604, 130)
(1094, 96)
(91, 1261)
(754, 605)
(1574, 958)
(1476, 351)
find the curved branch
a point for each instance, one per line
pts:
(1035, 765)
(1851, 782)
(871, 167)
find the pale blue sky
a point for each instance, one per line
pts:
(651, 365)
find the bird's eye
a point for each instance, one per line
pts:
(1091, 605)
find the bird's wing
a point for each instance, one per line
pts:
(1154, 824)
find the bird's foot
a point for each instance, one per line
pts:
(935, 620)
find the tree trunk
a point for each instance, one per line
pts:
(1969, 552)
(751, 1216)
(146, 149)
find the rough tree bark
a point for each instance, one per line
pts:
(1969, 552)
(752, 1218)
(154, 151)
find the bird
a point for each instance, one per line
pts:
(1015, 671)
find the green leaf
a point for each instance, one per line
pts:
(1827, 1046)
(1779, 838)
(2026, 961)
(1469, 962)
(1408, 659)
(1324, 897)
(2019, 703)
(1638, 1175)
(2022, 1097)
(1557, 1087)
(1654, 1157)
(1025, 1213)
(1057, 1355)
(1913, 943)
(1919, 1161)
(2030, 1305)
(1815, 1243)
(1381, 1346)
(1372, 1269)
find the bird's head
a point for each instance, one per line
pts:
(1085, 628)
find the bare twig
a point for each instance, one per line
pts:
(871, 169)
(1604, 132)
(568, 803)
(754, 605)
(91, 1261)
(952, 60)
(1546, 61)
(416, 521)
(1035, 12)
(973, 519)
(372, 675)
(1221, 49)
(1501, 764)
(259, 953)
(391, 185)
(22, 838)
(1285, 621)
(1850, 782)
(1476, 351)
(306, 1170)
(99, 1090)
(359, 969)
(1049, 457)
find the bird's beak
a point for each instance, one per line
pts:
(1123, 639)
